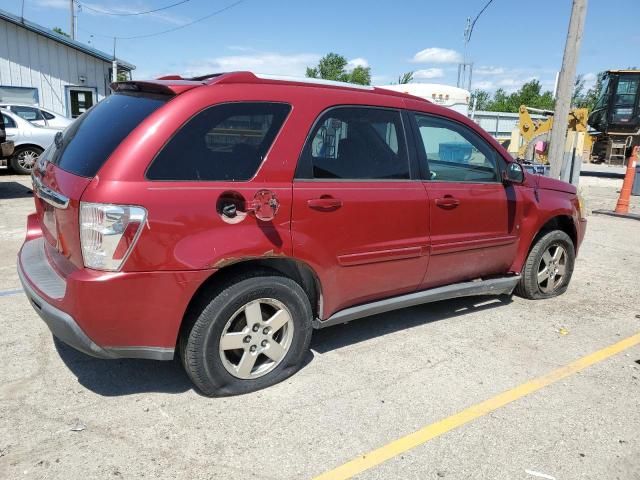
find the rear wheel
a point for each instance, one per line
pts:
(548, 268)
(24, 159)
(251, 334)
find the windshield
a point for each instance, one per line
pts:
(604, 94)
(86, 144)
(626, 91)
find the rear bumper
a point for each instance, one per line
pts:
(108, 315)
(61, 324)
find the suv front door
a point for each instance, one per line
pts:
(474, 227)
(358, 217)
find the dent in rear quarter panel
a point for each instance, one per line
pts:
(540, 206)
(184, 230)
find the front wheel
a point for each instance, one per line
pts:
(548, 268)
(24, 159)
(252, 334)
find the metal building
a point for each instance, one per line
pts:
(41, 67)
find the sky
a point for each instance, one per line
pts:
(513, 41)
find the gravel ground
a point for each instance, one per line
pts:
(64, 415)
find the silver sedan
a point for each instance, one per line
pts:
(29, 140)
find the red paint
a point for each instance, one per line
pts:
(364, 240)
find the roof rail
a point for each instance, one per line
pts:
(250, 77)
(313, 81)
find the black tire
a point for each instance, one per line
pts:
(16, 159)
(200, 340)
(529, 286)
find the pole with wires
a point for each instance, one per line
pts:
(114, 64)
(557, 155)
(72, 19)
(465, 69)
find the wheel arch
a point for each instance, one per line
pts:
(561, 222)
(23, 146)
(298, 271)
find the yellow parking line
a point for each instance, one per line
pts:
(382, 454)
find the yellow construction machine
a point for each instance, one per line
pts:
(529, 141)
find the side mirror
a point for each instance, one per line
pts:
(514, 173)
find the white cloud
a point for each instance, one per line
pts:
(437, 55)
(487, 70)
(240, 48)
(275, 63)
(589, 80)
(381, 79)
(511, 79)
(483, 85)
(511, 84)
(428, 73)
(357, 62)
(96, 9)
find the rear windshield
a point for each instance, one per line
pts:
(87, 143)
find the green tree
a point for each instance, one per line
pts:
(59, 31)
(500, 102)
(590, 97)
(530, 94)
(405, 78)
(360, 75)
(481, 99)
(578, 91)
(334, 67)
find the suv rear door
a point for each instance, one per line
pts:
(474, 218)
(358, 217)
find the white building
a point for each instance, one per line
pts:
(41, 67)
(453, 97)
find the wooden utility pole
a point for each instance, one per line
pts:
(73, 20)
(566, 82)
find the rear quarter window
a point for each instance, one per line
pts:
(88, 142)
(226, 142)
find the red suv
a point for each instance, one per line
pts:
(225, 217)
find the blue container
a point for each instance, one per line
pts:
(459, 152)
(537, 168)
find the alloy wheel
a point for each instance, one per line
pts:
(552, 268)
(27, 159)
(256, 338)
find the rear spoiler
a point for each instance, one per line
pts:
(159, 87)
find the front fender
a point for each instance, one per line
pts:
(541, 208)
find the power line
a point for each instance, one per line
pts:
(473, 24)
(129, 14)
(179, 27)
(217, 12)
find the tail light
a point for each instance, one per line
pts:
(108, 233)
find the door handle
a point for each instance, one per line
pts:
(447, 202)
(324, 203)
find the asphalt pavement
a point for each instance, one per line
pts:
(365, 385)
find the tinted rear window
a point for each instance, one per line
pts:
(89, 141)
(224, 142)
